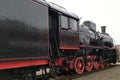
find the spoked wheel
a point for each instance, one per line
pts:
(79, 65)
(102, 65)
(89, 65)
(96, 64)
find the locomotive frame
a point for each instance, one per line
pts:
(37, 35)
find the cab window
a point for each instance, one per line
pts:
(73, 24)
(64, 22)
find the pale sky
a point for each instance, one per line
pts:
(102, 12)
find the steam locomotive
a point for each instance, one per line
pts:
(35, 34)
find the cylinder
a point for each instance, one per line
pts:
(103, 29)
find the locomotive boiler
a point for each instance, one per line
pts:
(89, 36)
(107, 39)
(35, 34)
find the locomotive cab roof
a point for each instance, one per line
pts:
(58, 8)
(62, 10)
(43, 2)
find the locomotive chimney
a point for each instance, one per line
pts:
(103, 29)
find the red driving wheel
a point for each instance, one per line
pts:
(96, 64)
(79, 65)
(89, 65)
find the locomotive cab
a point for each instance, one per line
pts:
(63, 29)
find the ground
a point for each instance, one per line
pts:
(112, 73)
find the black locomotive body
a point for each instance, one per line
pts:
(35, 35)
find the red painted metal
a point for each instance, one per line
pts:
(96, 65)
(59, 62)
(72, 62)
(102, 65)
(89, 65)
(98, 47)
(71, 66)
(69, 48)
(79, 65)
(18, 64)
(23, 58)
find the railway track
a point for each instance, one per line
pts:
(73, 75)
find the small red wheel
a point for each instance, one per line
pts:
(79, 65)
(102, 65)
(96, 65)
(89, 65)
